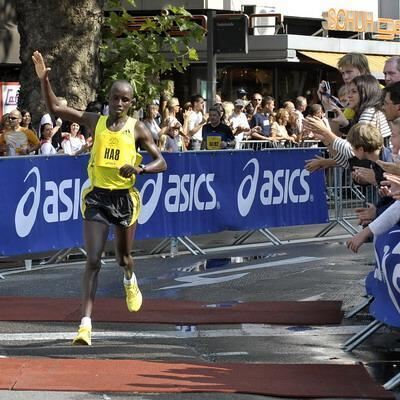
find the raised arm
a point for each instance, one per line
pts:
(54, 105)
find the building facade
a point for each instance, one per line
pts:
(291, 45)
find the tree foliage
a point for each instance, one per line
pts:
(142, 56)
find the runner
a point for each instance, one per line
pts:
(111, 198)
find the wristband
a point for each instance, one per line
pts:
(143, 169)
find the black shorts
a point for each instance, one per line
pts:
(117, 207)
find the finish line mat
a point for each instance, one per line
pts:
(283, 380)
(165, 311)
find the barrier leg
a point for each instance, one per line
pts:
(190, 241)
(242, 238)
(348, 226)
(188, 245)
(360, 307)
(361, 336)
(61, 254)
(55, 258)
(392, 383)
(327, 229)
(162, 245)
(274, 239)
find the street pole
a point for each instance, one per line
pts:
(211, 60)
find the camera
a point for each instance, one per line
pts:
(325, 86)
(330, 114)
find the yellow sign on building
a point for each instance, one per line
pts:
(360, 21)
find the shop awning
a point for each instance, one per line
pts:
(376, 63)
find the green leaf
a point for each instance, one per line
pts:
(143, 56)
(193, 54)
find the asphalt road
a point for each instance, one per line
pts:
(331, 273)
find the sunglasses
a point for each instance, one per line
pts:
(12, 118)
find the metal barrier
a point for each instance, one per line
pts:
(275, 144)
(344, 196)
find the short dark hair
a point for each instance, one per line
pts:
(394, 92)
(266, 100)
(196, 98)
(217, 109)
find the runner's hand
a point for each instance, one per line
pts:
(40, 67)
(128, 170)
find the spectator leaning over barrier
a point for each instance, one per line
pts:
(365, 98)
(391, 70)
(111, 198)
(367, 144)
(350, 66)
(20, 141)
(216, 134)
(390, 187)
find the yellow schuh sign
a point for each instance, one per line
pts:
(213, 142)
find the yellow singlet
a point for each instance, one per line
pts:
(111, 150)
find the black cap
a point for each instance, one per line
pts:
(241, 91)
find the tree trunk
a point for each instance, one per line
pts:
(68, 34)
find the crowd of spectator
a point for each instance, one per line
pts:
(227, 123)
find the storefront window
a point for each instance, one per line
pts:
(230, 78)
(283, 81)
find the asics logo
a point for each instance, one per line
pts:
(61, 202)
(282, 186)
(185, 192)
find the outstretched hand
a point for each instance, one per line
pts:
(390, 167)
(40, 67)
(319, 129)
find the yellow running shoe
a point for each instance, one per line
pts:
(83, 337)
(134, 297)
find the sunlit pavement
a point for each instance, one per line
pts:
(262, 272)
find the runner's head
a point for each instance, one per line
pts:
(120, 98)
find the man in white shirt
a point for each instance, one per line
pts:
(239, 122)
(300, 104)
(196, 121)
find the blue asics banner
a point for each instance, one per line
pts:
(384, 282)
(201, 192)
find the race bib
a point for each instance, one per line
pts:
(112, 154)
(213, 142)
